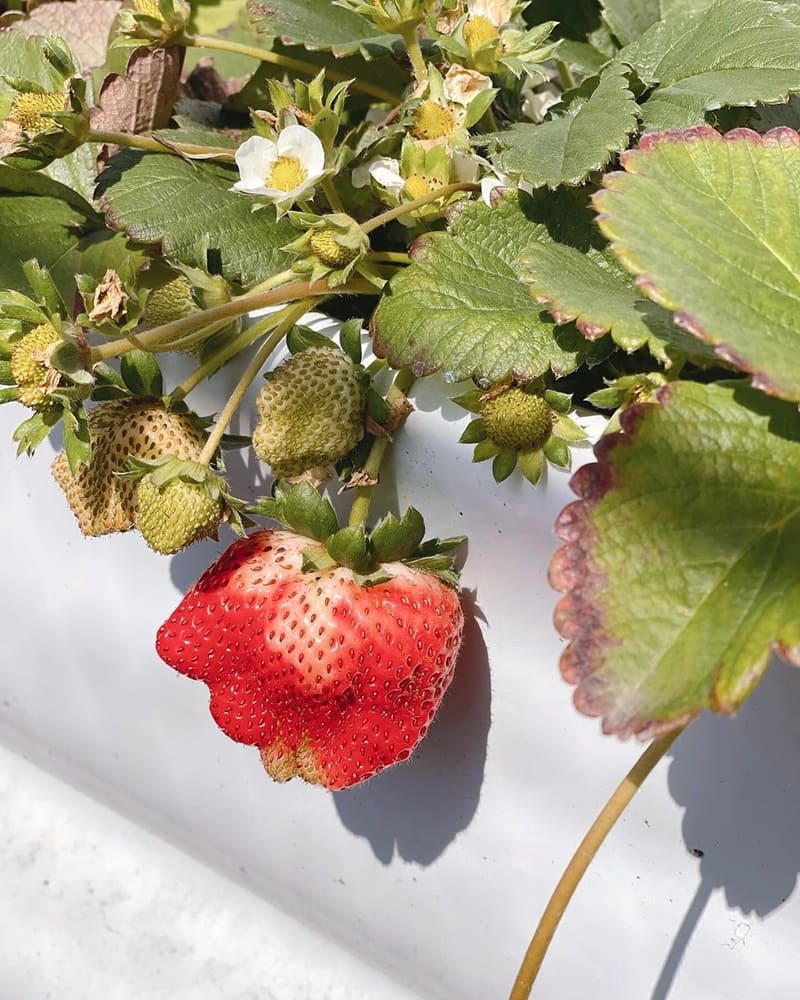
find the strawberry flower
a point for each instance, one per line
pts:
(281, 171)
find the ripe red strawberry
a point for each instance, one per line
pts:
(331, 679)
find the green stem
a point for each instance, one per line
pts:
(288, 62)
(190, 340)
(154, 145)
(229, 310)
(334, 201)
(248, 375)
(412, 206)
(274, 282)
(360, 509)
(565, 75)
(580, 861)
(388, 257)
(409, 33)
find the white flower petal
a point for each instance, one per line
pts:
(301, 143)
(386, 174)
(255, 159)
(466, 168)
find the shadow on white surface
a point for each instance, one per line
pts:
(739, 783)
(417, 809)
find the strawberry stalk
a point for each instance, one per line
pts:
(287, 293)
(249, 374)
(359, 511)
(580, 861)
(412, 206)
(152, 144)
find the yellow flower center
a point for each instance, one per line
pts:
(29, 110)
(418, 186)
(287, 174)
(432, 121)
(479, 31)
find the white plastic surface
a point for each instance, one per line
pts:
(435, 873)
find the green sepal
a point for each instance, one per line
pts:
(372, 579)
(484, 450)
(350, 339)
(309, 513)
(531, 464)
(31, 432)
(568, 430)
(14, 305)
(504, 464)
(440, 546)
(394, 539)
(10, 395)
(70, 360)
(6, 378)
(474, 432)
(438, 566)
(479, 105)
(556, 451)
(142, 373)
(77, 441)
(350, 547)
(558, 401)
(300, 338)
(317, 560)
(43, 286)
(470, 400)
(108, 379)
(232, 442)
(377, 407)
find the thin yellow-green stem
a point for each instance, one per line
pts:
(290, 63)
(154, 145)
(191, 339)
(360, 508)
(412, 206)
(229, 310)
(388, 257)
(409, 33)
(274, 282)
(248, 375)
(331, 194)
(565, 74)
(580, 861)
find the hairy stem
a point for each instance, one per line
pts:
(580, 861)
(244, 383)
(388, 257)
(409, 33)
(191, 339)
(152, 144)
(411, 206)
(565, 75)
(288, 62)
(360, 509)
(229, 310)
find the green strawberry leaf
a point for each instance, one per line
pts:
(320, 24)
(24, 58)
(629, 19)
(680, 565)
(461, 306)
(735, 52)
(709, 223)
(566, 149)
(190, 210)
(600, 299)
(44, 228)
(77, 442)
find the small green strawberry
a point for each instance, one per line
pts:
(330, 246)
(31, 369)
(312, 411)
(520, 426)
(170, 301)
(178, 507)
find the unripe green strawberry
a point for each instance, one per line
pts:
(102, 501)
(170, 301)
(177, 514)
(517, 420)
(312, 411)
(30, 368)
(325, 247)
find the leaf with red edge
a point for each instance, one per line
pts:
(680, 566)
(709, 225)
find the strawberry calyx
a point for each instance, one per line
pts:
(367, 553)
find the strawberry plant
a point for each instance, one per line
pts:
(559, 208)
